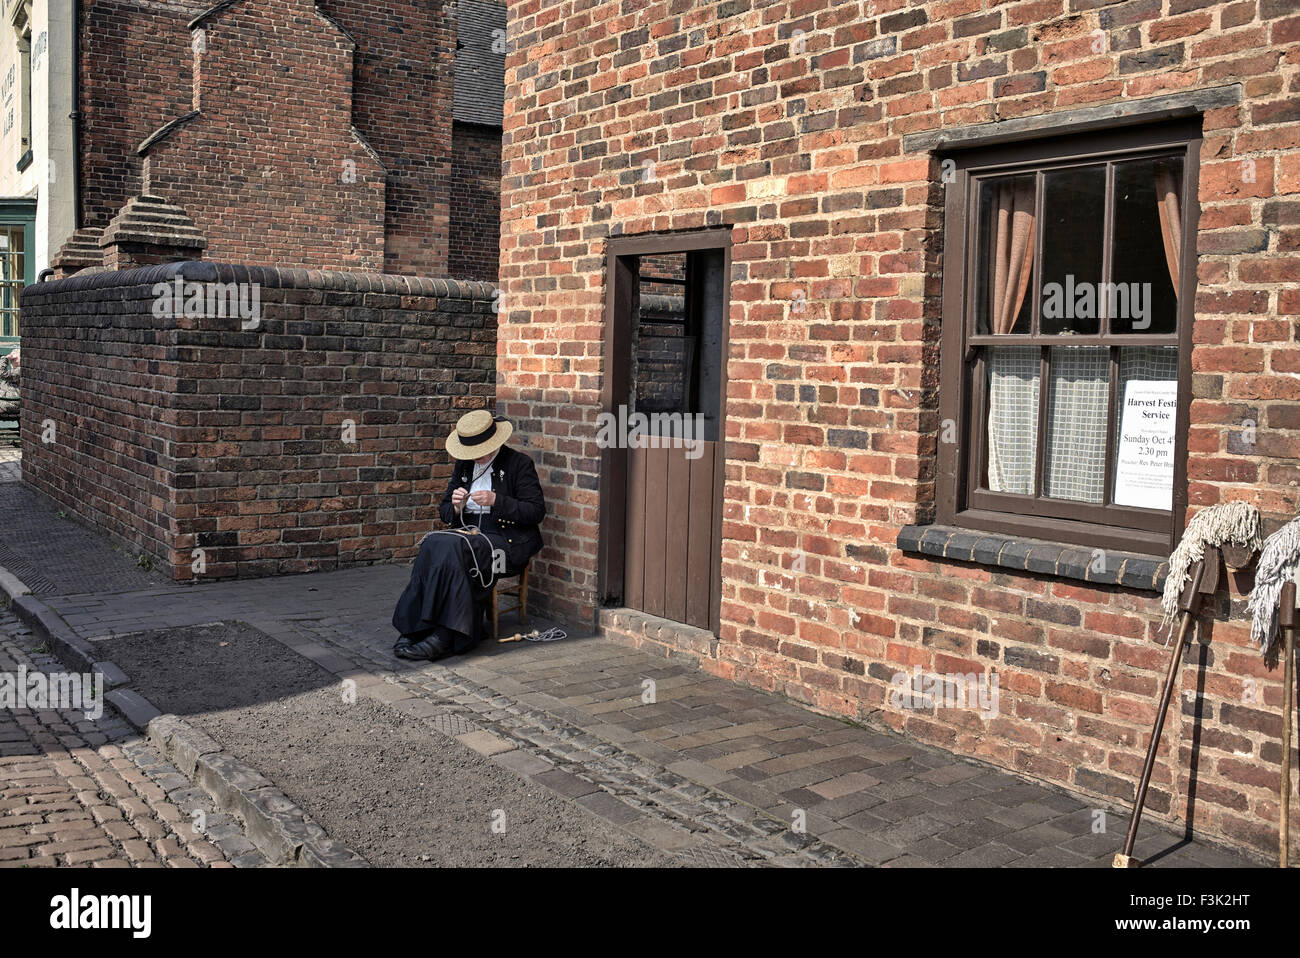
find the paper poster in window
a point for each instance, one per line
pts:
(1144, 470)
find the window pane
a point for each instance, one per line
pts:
(1074, 208)
(1078, 395)
(664, 347)
(677, 343)
(1004, 255)
(1013, 375)
(1144, 428)
(12, 243)
(1148, 245)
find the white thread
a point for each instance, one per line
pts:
(478, 572)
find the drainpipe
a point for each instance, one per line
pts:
(75, 115)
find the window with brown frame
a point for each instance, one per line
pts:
(1069, 276)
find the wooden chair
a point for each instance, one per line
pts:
(518, 592)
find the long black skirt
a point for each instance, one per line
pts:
(446, 596)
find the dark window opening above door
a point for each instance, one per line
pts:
(677, 341)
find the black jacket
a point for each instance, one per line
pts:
(520, 505)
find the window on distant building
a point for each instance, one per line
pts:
(17, 220)
(22, 24)
(1067, 306)
(25, 103)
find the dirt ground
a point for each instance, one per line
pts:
(396, 793)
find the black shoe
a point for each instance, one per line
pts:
(427, 650)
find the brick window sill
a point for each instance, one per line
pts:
(1127, 569)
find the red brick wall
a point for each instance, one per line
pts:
(795, 141)
(135, 76)
(476, 202)
(98, 417)
(270, 169)
(402, 106)
(233, 441)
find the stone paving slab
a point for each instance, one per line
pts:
(735, 768)
(54, 554)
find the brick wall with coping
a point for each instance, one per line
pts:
(785, 122)
(175, 434)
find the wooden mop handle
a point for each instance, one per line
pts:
(1286, 621)
(1204, 580)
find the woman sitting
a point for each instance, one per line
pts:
(493, 507)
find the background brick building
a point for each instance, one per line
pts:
(476, 139)
(296, 132)
(822, 142)
(332, 162)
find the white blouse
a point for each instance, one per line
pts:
(482, 484)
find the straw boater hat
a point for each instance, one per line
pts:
(478, 434)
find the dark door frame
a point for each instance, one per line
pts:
(621, 278)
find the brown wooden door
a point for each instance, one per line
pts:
(672, 532)
(662, 491)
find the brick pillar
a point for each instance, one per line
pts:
(147, 231)
(81, 251)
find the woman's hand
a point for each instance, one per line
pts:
(458, 497)
(484, 497)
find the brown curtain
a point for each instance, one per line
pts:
(1168, 191)
(1013, 370)
(1012, 251)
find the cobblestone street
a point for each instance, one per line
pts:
(706, 771)
(81, 791)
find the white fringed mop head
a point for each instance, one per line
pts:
(1213, 526)
(1279, 561)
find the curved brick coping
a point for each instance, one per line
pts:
(269, 277)
(164, 131)
(210, 12)
(1035, 555)
(224, 5)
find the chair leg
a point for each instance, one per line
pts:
(496, 628)
(523, 597)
